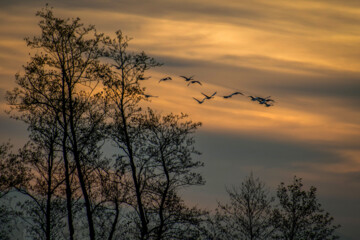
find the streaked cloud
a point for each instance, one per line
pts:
(305, 54)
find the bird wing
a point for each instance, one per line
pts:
(165, 79)
(228, 96)
(254, 98)
(205, 95)
(187, 78)
(198, 100)
(195, 81)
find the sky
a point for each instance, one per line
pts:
(304, 54)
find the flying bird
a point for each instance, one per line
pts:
(199, 101)
(194, 81)
(149, 96)
(265, 100)
(209, 97)
(165, 79)
(143, 78)
(235, 93)
(266, 104)
(187, 79)
(254, 98)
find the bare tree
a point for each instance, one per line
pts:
(167, 167)
(249, 213)
(60, 81)
(124, 92)
(60, 97)
(44, 210)
(154, 151)
(300, 216)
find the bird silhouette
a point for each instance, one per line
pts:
(209, 97)
(266, 104)
(165, 79)
(143, 78)
(187, 79)
(235, 93)
(194, 81)
(254, 98)
(265, 100)
(149, 96)
(199, 101)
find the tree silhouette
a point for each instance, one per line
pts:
(300, 216)
(44, 209)
(249, 213)
(82, 90)
(60, 81)
(154, 151)
(124, 93)
(72, 100)
(168, 167)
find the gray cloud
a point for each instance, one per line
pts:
(344, 89)
(250, 150)
(13, 130)
(339, 188)
(250, 14)
(316, 81)
(229, 158)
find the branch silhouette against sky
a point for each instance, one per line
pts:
(286, 77)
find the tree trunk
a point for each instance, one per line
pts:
(66, 165)
(81, 178)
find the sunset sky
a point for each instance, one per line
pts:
(304, 54)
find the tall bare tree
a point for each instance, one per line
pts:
(60, 80)
(124, 92)
(72, 101)
(154, 151)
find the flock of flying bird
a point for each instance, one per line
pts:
(267, 101)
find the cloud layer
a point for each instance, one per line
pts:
(305, 54)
